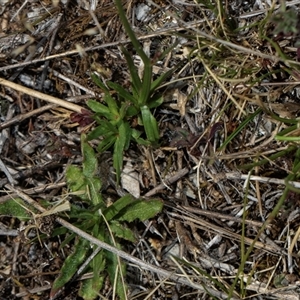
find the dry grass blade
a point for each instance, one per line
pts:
(39, 95)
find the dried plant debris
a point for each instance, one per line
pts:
(224, 159)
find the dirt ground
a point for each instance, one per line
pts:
(224, 168)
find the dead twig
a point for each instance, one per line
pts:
(25, 116)
(170, 180)
(39, 95)
(34, 190)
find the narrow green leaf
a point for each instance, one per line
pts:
(98, 81)
(122, 142)
(161, 79)
(146, 83)
(82, 214)
(120, 231)
(70, 266)
(165, 76)
(143, 142)
(118, 158)
(124, 134)
(147, 76)
(111, 211)
(136, 44)
(67, 240)
(85, 180)
(91, 287)
(88, 186)
(123, 109)
(167, 51)
(90, 162)
(16, 208)
(296, 159)
(94, 186)
(136, 81)
(122, 92)
(99, 108)
(136, 133)
(150, 124)
(239, 129)
(113, 266)
(287, 138)
(142, 210)
(75, 178)
(107, 142)
(105, 128)
(287, 130)
(287, 134)
(132, 111)
(136, 136)
(127, 139)
(155, 101)
(268, 159)
(113, 106)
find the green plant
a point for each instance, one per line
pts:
(285, 21)
(107, 223)
(241, 127)
(17, 208)
(116, 116)
(286, 24)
